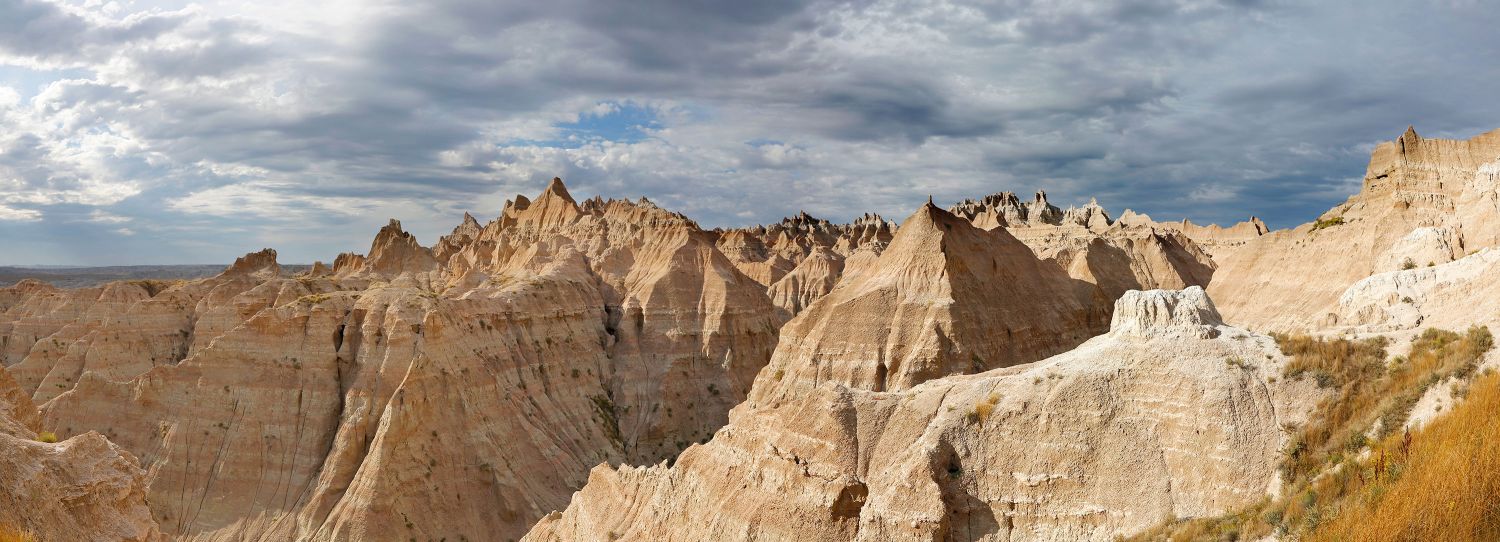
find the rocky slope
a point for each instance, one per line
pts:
(945, 297)
(1218, 241)
(466, 389)
(801, 258)
(457, 391)
(83, 488)
(1090, 246)
(1424, 202)
(1171, 414)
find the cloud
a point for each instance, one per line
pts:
(262, 123)
(19, 215)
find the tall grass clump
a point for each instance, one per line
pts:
(1441, 482)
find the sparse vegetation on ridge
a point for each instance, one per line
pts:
(1344, 480)
(1441, 482)
(1323, 223)
(983, 409)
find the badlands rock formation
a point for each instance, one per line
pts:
(459, 391)
(945, 297)
(800, 258)
(1218, 241)
(1090, 246)
(1424, 202)
(1171, 414)
(464, 390)
(83, 488)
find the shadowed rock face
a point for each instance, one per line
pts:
(1423, 201)
(1116, 255)
(465, 390)
(1147, 421)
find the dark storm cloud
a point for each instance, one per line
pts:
(735, 112)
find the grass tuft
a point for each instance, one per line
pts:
(1323, 223)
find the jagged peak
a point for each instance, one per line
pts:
(347, 262)
(391, 230)
(470, 227)
(931, 217)
(1154, 313)
(255, 262)
(556, 189)
(871, 219)
(396, 250)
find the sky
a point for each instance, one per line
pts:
(161, 132)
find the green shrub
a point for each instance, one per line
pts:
(1322, 223)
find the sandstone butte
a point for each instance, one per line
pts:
(997, 370)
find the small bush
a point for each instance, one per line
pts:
(983, 409)
(1408, 264)
(47, 437)
(1322, 223)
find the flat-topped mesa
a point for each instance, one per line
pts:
(258, 264)
(1156, 313)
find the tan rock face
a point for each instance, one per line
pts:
(768, 254)
(461, 391)
(1170, 414)
(1215, 240)
(944, 298)
(1423, 201)
(83, 488)
(1116, 255)
(465, 390)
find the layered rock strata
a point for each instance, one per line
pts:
(1170, 414)
(1424, 202)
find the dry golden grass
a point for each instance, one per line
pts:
(1352, 368)
(47, 437)
(1323, 481)
(12, 534)
(983, 409)
(1443, 483)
